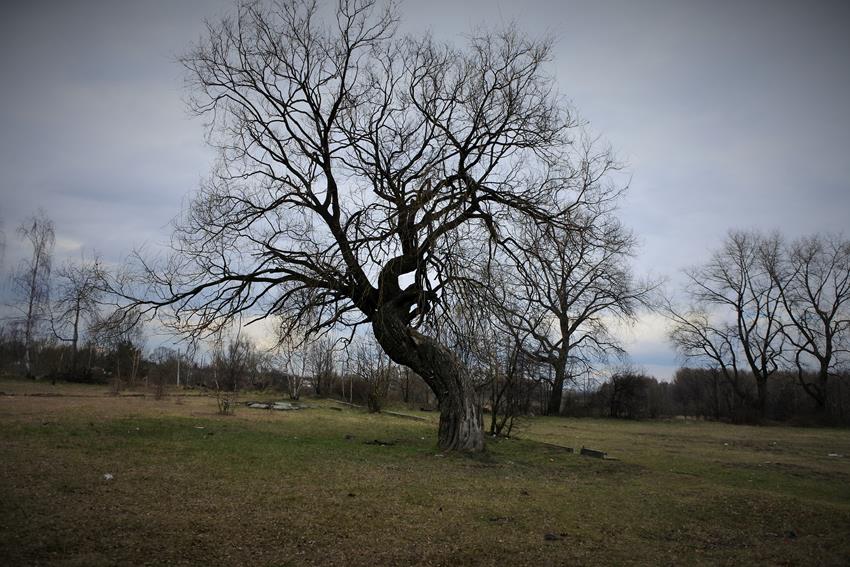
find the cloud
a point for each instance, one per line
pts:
(646, 343)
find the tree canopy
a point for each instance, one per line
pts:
(366, 178)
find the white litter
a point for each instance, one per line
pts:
(108, 476)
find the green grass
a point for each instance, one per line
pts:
(302, 488)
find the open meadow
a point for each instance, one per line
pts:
(311, 487)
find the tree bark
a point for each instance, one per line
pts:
(823, 387)
(461, 427)
(557, 394)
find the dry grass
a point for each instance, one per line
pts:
(302, 488)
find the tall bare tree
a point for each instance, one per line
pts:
(320, 360)
(813, 277)
(375, 369)
(508, 372)
(735, 321)
(365, 177)
(232, 362)
(122, 332)
(32, 282)
(703, 338)
(76, 302)
(290, 358)
(571, 285)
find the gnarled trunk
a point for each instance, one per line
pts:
(461, 427)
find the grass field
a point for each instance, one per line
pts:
(191, 487)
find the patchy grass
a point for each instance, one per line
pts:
(303, 488)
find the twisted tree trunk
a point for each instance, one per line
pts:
(461, 427)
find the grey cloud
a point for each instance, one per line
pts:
(730, 114)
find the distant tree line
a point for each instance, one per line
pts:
(702, 393)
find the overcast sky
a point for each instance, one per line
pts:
(729, 115)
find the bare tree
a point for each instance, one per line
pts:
(290, 358)
(364, 178)
(701, 392)
(165, 361)
(507, 373)
(571, 285)
(320, 360)
(736, 320)
(122, 332)
(374, 368)
(76, 302)
(33, 279)
(627, 393)
(813, 277)
(702, 338)
(494, 354)
(232, 362)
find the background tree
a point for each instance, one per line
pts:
(406, 380)
(627, 394)
(374, 368)
(509, 375)
(364, 178)
(121, 334)
(735, 321)
(75, 306)
(571, 284)
(290, 357)
(714, 344)
(813, 278)
(163, 369)
(702, 392)
(231, 361)
(187, 364)
(320, 361)
(32, 282)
